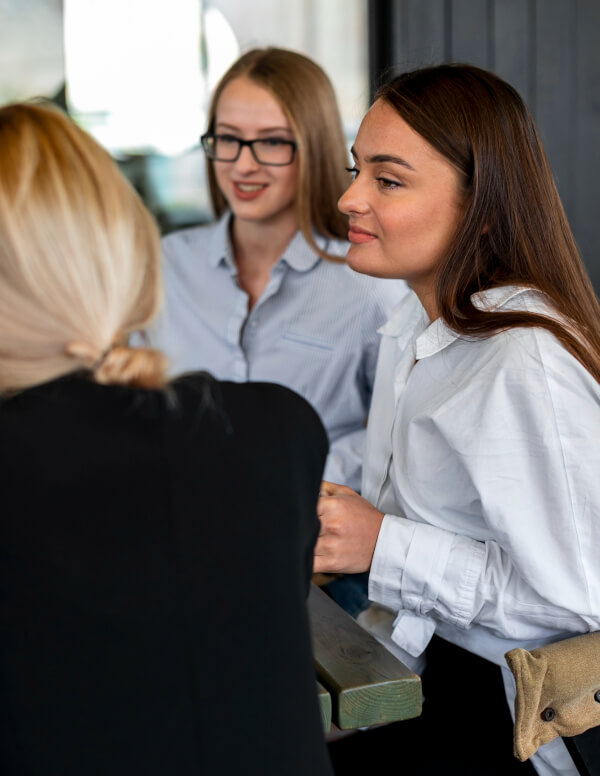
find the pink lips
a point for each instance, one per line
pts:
(356, 235)
(252, 193)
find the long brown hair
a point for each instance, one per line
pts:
(79, 257)
(306, 96)
(514, 230)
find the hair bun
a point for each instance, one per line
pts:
(136, 367)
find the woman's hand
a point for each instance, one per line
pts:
(349, 530)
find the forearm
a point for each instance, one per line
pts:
(434, 572)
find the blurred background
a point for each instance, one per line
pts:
(138, 75)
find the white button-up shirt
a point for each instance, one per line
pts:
(314, 329)
(485, 456)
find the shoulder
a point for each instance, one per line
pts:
(273, 407)
(528, 343)
(182, 241)
(252, 407)
(211, 240)
(269, 439)
(536, 351)
(192, 255)
(525, 368)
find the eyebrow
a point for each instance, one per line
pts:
(385, 158)
(224, 125)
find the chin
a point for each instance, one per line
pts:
(245, 213)
(356, 260)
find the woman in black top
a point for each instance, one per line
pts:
(126, 499)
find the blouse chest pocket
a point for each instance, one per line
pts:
(308, 341)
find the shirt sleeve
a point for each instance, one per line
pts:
(521, 447)
(344, 463)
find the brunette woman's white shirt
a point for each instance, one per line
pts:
(314, 329)
(483, 454)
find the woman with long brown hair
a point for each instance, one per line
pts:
(480, 515)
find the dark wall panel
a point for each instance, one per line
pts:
(586, 145)
(554, 100)
(470, 28)
(418, 32)
(425, 26)
(512, 50)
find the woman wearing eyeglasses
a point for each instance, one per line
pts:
(264, 294)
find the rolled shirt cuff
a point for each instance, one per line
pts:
(419, 570)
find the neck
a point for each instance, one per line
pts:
(261, 243)
(427, 299)
(257, 247)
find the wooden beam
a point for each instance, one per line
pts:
(325, 703)
(368, 685)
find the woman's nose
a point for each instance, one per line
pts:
(351, 200)
(246, 161)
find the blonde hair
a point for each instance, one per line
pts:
(305, 94)
(79, 257)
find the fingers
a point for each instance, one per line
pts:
(334, 489)
(323, 560)
(327, 488)
(334, 499)
(348, 532)
(320, 566)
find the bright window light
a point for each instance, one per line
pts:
(139, 73)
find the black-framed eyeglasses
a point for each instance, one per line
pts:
(275, 151)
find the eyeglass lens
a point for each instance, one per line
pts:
(272, 150)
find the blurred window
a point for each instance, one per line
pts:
(31, 49)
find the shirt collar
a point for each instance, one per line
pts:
(298, 254)
(438, 335)
(409, 320)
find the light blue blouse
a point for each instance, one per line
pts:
(314, 329)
